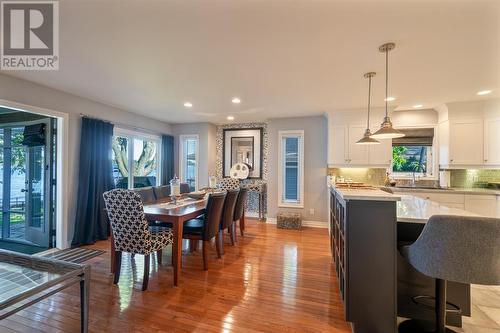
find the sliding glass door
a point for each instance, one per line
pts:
(26, 182)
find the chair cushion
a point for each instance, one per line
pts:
(160, 224)
(160, 237)
(194, 227)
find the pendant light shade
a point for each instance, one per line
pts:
(387, 131)
(367, 139)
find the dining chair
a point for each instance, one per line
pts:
(208, 226)
(147, 194)
(184, 188)
(239, 211)
(227, 221)
(161, 192)
(131, 232)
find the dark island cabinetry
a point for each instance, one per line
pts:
(363, 244)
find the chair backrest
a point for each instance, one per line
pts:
(228, 183)
(128, 223)
(147, 194)
(213, 215)
(229, 205)
(161, 191)
(184, 188)
(239, 209)
(460, 249)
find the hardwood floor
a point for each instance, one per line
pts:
(271, 281)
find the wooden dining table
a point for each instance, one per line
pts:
(186, 211)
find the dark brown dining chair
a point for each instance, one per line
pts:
(147, 194)
(131, 232)
(161, 192)
(207, 227)
(227, 221)
(239, 211)
(184, 188)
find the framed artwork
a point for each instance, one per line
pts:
(242, 146)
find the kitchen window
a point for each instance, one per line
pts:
(291, 169)
(188, 150)
(136, 159)
(414, 154)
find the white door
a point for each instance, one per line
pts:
(337, 145)
(357, 154)
(466, 142)
(492, 141)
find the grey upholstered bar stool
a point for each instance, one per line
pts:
(459, 249)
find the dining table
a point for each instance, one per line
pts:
(164, 210)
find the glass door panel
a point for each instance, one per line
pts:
(145, 163)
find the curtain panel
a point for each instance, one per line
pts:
(167, 159)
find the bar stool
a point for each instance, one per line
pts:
(454, 248)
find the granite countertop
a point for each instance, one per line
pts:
(451, 190)
(416, 210)
(372, 193)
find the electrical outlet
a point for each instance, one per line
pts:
(311, 211)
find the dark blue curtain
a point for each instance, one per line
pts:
(167, 159)
(95, 178)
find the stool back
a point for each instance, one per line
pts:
(460, 249)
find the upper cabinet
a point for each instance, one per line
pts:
(466, 142)
(344, 152)
(469, 143)
(492, 141)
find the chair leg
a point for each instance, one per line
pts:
(242, 225)
(191, 245)
(205, 246)
(235, 234)
(145, 279)
(440, 306)
(218, 244)
(158, 256)
(231, 234)
(118, 264)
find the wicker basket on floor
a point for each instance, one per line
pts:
(289, 221)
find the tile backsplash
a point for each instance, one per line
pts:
(365, 175)
(474, 177)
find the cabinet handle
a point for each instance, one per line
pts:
(486, 160)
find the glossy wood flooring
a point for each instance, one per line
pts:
(271, 281)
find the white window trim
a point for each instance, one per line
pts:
(435, 157)
(131, 135)
(182, 139)
(281, 135)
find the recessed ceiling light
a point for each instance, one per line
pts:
(389, 99)
(484, 92)
(230, 118)
(417, 106)
(188, 105)
(236, 100)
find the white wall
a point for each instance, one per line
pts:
(315, 164)
(25, 92)
(207, 135)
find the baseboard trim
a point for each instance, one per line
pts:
(311, 224)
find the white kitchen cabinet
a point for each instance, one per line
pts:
(357, 154)
(344, 152)
(492, 141)
(337, 145)
(485, 205)
(466, 142)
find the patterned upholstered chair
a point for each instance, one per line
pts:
(131, 232)
(228, 183)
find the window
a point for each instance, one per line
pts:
(414, 153)
(137, 152)
(291, 169)
(188, 151)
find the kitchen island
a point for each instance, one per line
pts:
(376, 284)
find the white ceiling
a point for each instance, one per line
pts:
(282, 58)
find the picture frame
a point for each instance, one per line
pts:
(243, 145)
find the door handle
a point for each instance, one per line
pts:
(24, 190)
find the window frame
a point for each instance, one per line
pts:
(131, 135)
(182, 139)
(435, 157)
(281, 168)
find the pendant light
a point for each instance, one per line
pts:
(367, 139)
(387, 131)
